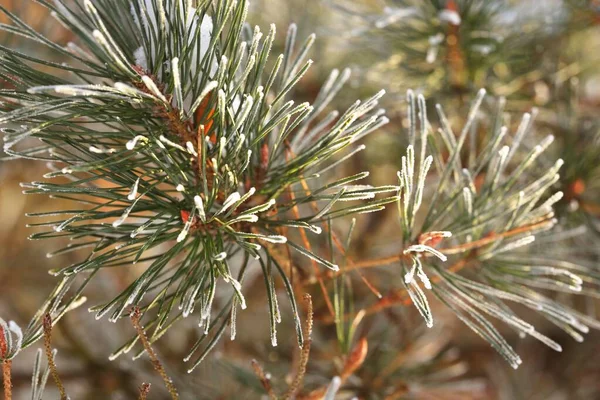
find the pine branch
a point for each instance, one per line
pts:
(178, 146)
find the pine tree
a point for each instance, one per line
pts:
(174, 135)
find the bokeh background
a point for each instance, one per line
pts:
(552, 52)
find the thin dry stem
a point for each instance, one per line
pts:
(308, 247)
(338, 244)
(353, 362)
(260, 373)
(397, 297)
(378, 262)
(144, 390)
(6, 366)
(135, 319)
(493, 237)
(304, 352)
(47, 325)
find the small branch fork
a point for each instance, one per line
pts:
(135, 320)
(353, 362)
(447, 250)
(144, 390)
(400, 296)
(302, 361)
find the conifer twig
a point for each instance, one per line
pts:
(144, 390)
(47, 324)
(353, 361)
(264, 380)
(308, 247)
(6, 366)
(135, 319)
(304, 352)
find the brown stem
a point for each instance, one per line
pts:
(135, 319)
(260, 373)
(448, 250)
(495, 236)
(304, 352)
(308, 247)
(47, 325)
(144, 390)
(399, 296)
(7, 379)
(6, 365)
(375, 263)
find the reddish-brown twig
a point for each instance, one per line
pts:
(47, 325)
(307, 245)
(6, 366)
(144, 390)
(260, 373)
(135, 319)
(304, 352)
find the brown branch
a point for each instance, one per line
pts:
(354, 361)
(378, 262)
(495, 236)
(135, 319)
(260, 373)
(304, 352)
(47, 325)
(308, 247)
(399, 296)
(144, 390)
(337, 242)
(6, 365)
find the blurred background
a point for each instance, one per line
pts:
(535, 54)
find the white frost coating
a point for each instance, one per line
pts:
(123, 217)
(186, 228)
(133, 193)
(189, 23)
(190, 149)
(274, 239)
(450, 16)
(14, 328)
(231, 200)
(98, 150)
(180, 188)
(418, 268)
(421, 248)
(200, 206)
(140, 57)
(393, 15)
(434, 47)
(245, 218)
(130, 145)
(254, 246)
(171, 143)
(153, 88)
(524, 241)
(315, 229)
(238, 288)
